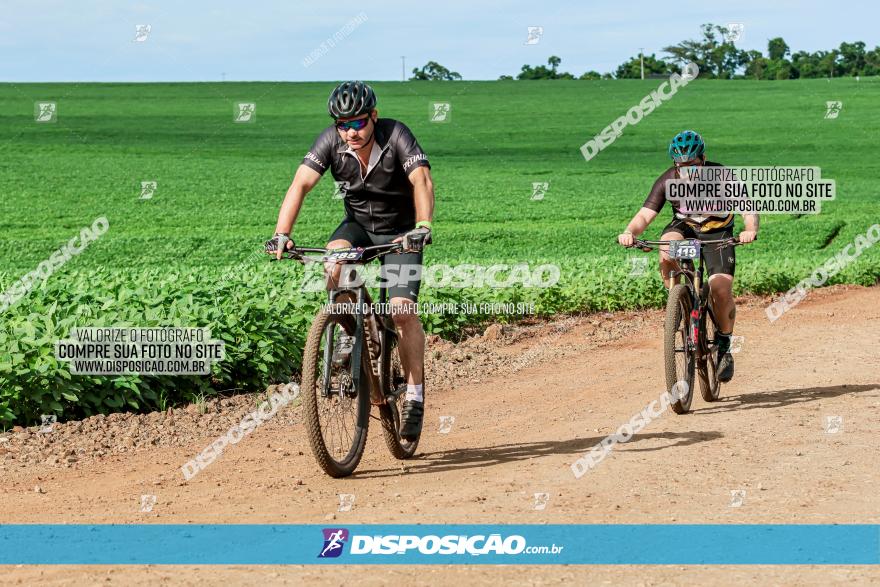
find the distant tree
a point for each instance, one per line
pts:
(505, 77)
(756, 65)
(687, 52)
(776, 67)
(806, 64)
(819, 64)
(781, 69)
(538, 72)
(726, 59)
(544, 72)
(852, 58)
(828, 64)
(777, 48)
(435, 72)
(719, 58)
(632, 69)
(872, 62)
(715, 56)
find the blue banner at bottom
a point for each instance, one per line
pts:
(611, 544)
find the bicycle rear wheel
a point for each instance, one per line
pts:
(336, 414)
(710, 387)
(394, 387)
(678, 352)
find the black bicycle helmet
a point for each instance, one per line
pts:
(351, 99)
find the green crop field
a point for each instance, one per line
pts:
(186, 256)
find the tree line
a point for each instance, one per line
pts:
(717, 57)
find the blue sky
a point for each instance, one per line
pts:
(93, 40)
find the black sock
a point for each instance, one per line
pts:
(723, 342)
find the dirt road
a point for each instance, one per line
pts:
(794, 438)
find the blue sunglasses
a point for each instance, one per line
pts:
(356, 124)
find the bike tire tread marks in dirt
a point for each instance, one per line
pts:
(678, 357)
(312, 384)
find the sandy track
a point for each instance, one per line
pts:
(550, 393)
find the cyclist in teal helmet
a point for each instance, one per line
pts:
(686, 145)
(688, 149)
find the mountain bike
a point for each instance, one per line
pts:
(350, 362)
(690, 344)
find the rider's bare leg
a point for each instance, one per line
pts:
(412, 356)
(668, 265)
(332, 271)
(724, 307)
(723, 304)
(412, 339)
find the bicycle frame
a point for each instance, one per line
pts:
(701, 302)
(365, 371)
(365, 320)
(699, 307)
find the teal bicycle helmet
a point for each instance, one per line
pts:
(686, 145)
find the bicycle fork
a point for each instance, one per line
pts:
(364, 332)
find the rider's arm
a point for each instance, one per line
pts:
(752, 222)
(423, 193)
(640, 221)
(305, 179)
(313, 166)
(750, 232)
(652, 206)
(417, 168)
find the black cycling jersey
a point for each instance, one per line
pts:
(382, 200)
(657, 198)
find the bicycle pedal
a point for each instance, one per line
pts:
(342, 352)
(397, 392)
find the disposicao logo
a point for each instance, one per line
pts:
(334, 541)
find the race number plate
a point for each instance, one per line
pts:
(344, 255)
(687, 249)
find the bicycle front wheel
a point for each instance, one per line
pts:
(337, 414)
(710, 387)
(678, 350)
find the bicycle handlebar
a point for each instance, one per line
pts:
(649, 245)
(298, 253)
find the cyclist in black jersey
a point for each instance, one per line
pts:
(388, 197)
(688, 149)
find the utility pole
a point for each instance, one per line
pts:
(402, 68)
(642, 60)
(223, 76)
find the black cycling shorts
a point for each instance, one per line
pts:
(358, 236)
(718, 260)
